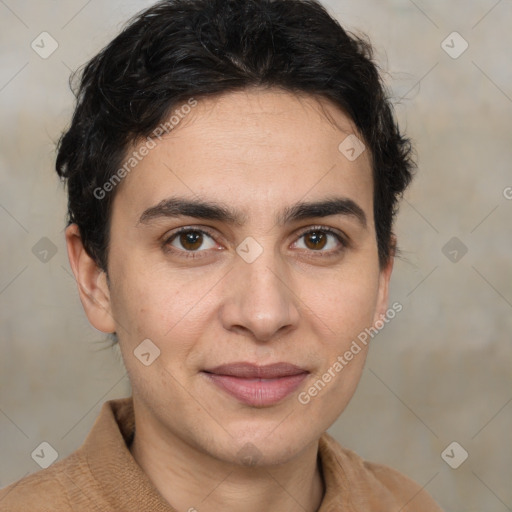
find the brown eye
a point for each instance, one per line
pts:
(315, 240)
(190, 240)
(322, 240)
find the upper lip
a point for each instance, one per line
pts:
(254, 371)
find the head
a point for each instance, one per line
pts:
(233, 171)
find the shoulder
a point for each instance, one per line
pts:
(71, 483)
(373, 486)
(38, 492)
(48, 490)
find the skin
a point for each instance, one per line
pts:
(258, 151)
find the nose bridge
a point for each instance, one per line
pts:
(261, 298)
(262, 277)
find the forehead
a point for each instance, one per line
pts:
(253, 149)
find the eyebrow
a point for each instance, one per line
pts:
(209, 210)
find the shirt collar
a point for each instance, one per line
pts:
(127, 487)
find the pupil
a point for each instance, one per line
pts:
(191, 240)
(318, 240)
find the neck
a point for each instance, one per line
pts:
(190, 479)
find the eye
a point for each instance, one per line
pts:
(190, 240)
(321, 239)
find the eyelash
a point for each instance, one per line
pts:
(197, 254)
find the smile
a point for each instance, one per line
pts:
(257, 386)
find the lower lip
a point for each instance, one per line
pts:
(258, 392)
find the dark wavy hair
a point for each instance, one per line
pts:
(180, 49)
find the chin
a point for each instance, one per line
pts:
(265, 449)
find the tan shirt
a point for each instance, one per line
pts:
(103, 476)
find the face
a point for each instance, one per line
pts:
(250, 299)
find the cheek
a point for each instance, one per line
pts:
(345, 310)
(161, 305)
(344, 302)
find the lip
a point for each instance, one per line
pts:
(258, 386)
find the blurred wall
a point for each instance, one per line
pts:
(439, 373)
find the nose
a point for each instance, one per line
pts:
(260, 301)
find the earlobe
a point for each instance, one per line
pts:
(92, 283)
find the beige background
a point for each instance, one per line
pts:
(440, 372)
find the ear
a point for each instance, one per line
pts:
(384, 278)
(92, 282)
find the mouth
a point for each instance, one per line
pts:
(257, 386)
